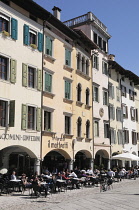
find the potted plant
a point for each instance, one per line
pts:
(5, 33)
(34, 46)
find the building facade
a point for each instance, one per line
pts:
(97, 32)
(67, 105)
(20, 88)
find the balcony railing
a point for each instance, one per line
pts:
(83, 18)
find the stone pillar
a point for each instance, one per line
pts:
(123, 163)
(109, 163)
(91, 163)
(37, 165)
(129, 163)
(70, 167)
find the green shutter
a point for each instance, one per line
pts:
(69, 58)
(14, 28)
(66, 57)
(24, 117)
(40, 42)
(69, 90)
(48, 46)
(39, 79)
(11, 113)
(38, 119)
(48, 82)
(13, 71)
(26, 34)
(24, 74)
(66, 89)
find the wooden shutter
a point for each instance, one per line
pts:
(38, 119)
(12, 113)
(137, 115)
(39, 79)
(66, 57)
(48, 46)
(40, 42)
(66, 89)
(69, 58)
(48, 82)
(24, 117)
(13, 71)
(24, 75)
(26, 34)
(14, 28)
(112, 91)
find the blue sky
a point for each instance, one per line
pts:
(121, 18)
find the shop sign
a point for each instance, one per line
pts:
(57, 143)
(19, 137)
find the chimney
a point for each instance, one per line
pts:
(111, 57)
(56, 12)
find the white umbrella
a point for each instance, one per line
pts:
(3, 171)
(126, 156)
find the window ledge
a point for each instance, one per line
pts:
(88, 139)
(48, 94)
(31, 131)
(68, 136)
(49, 57)
(68, 68)
(79, 103)
(79, 138)
(48, 133)
(82, 74)
(87, 106)
(66, 100)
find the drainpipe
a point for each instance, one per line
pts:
(92, 116)
(42, 92)
(109, 120)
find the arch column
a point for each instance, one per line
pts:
(70, 167)
(92, 163)
(37, 165)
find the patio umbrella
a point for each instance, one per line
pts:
(126, 156)
(3, 171)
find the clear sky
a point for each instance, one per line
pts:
(121, 17)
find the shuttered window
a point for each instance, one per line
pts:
(31, 118)
(120, 136)
(104, 68)
(111, 91)
(106, 130)
(48, 82)
(95, 94)
(67, 57)
(3, 68)
(67, 89)
(12, 114)
(48, 48)
(31, 77)
(3, 113)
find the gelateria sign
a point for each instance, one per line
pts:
(19, 137)
(57, 143)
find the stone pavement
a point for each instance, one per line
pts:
(123, 196)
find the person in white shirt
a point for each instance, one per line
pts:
(13, 176)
